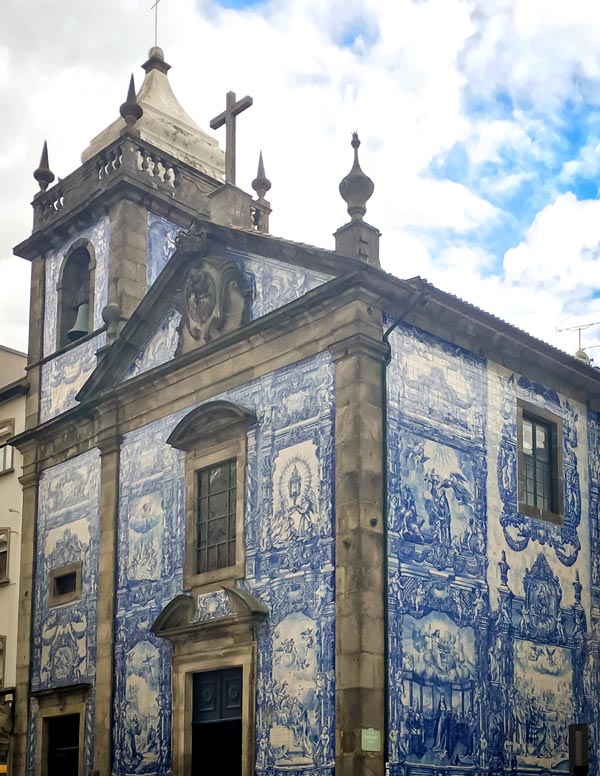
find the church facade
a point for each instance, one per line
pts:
(285, 513)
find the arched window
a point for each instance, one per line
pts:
(76, 294)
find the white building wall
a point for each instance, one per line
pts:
(10, 513)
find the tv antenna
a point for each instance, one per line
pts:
(581, 354)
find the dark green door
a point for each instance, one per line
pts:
(217, 723)
(63, 745)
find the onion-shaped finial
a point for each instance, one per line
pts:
(356, 188)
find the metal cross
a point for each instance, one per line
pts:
(155, 9)
(228, 118)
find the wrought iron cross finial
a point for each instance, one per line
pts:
(155, 9)
(228, 118)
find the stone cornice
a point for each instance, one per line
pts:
(119, 171)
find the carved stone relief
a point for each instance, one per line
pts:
(213, 302)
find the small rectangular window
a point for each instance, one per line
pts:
(540, 463)
(65, 584)
(216, 517)
(4, 541)
(7, 429)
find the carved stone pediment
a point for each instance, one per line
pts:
(181, 616)
(214, 299)
(209, 422)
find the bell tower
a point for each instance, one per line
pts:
(91, 245)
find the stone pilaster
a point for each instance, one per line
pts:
(29, 482)
(359, 545)
(36, 329)
(360, 240)
(127, 259)
(109, 444)
(231, 206)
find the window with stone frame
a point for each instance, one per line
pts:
(75, 294)
(65, 584)
(7, 429)
(4, 554)
(214, 438)
(216, 530)
(540, 476)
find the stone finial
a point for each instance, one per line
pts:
(261, 184)
(356, 188)
(43, 175)
(156, 61)
(131, 110)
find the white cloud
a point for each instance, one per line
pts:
(64, 71)
(535, 50)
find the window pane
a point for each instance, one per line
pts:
(223, 559)
(542, 446)
(527, 436)
(217, 531)
(212, 559)
(218, 506)
(219, 479)
(215, 519)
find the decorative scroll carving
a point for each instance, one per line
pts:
(214, 299)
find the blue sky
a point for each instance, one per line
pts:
(478, 120)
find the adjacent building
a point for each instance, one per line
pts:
(13, 388)
(283, 511)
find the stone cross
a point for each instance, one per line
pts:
(228, 118)
(155, 9)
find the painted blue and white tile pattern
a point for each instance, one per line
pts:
(64, 645)
(289, 567)
(490, 656)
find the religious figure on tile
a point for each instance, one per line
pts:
(410, 523)
(439, 509)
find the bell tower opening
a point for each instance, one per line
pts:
(217, 720)
(75, 297)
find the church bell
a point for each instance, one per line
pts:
(80, 327)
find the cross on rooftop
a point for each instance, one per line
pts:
(155, 9)
(228, 118)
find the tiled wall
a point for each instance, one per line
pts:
(64, 643)
(488, 609)
(64, 376)
(289, 567)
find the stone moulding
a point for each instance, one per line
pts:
(177, 618)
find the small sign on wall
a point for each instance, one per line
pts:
(579, 750)
(370, 740)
